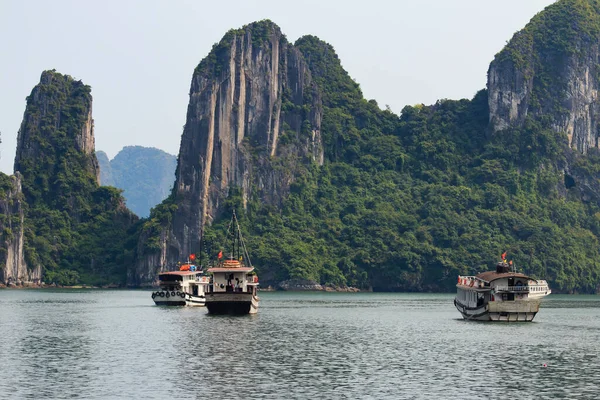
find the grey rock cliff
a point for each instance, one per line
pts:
(509, 92)
(550, 76)
(13, 268)
(253, 108)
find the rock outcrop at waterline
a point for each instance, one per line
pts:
(253, 120)
(13, 268)
(549, 72)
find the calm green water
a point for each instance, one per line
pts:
(117, 344)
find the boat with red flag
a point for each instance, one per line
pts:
(500, 295)
(234, 283)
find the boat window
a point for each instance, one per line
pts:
(170, 278)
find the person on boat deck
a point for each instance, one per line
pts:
(230, 283)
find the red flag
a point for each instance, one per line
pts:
(504, 256)
(192, 257)
(220, 254)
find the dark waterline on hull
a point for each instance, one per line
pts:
(221, 307)
(170, 303)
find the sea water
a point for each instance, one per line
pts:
(118, 344)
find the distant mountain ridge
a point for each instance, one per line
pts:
(146, 175)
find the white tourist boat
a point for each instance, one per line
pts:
(233, 288)
(500, 295)
(181, 288)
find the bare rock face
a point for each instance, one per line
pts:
(13, 268)
(551, 74)
(509, 92)
(240, 107)
(253, 119)
(147, 268)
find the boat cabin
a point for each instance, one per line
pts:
(499, 285)
(500, 295)
(232, 276)
(191, 282)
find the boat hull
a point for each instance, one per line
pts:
(513, 311)
(195, 301)
(231, 303)
(165, 298)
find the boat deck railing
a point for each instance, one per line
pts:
(521, 288)
(471, 281)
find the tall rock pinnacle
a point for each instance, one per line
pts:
(75, 230)
(55, 144)
(252, 101)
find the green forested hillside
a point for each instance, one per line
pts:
(408, 202)
(402, 202)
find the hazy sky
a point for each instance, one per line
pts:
(138, 55)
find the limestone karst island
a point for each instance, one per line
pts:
(331, 191)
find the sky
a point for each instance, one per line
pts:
(139, 55)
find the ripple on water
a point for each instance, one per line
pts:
(115, 344)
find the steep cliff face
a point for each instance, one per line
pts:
(253, 119)
(549, 71)
(244, 97)
(13, 268)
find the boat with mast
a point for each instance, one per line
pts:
(233, 287)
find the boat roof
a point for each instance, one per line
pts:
(231, 269)
(181, 273)
(490, 276)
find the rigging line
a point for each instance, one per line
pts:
(229, 227)
(244, 246)
(235, 235)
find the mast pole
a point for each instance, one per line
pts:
(237, 237)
